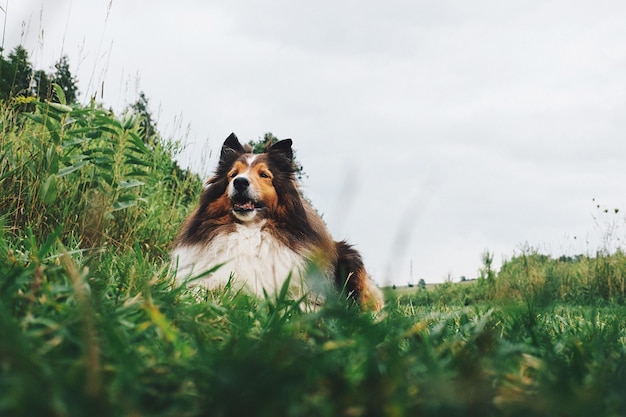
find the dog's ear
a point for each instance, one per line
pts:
(283, 148)
(282, 155)
(231, 147)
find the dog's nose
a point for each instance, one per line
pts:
(241, 183)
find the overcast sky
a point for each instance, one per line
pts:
(430, 131)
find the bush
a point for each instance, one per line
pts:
(88, 173)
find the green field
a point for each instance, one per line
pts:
(92, 325)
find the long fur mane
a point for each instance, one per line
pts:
(286, 216)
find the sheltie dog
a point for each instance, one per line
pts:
(252, 229)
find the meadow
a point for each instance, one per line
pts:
(91, 323)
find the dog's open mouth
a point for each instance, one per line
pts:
(243, 207)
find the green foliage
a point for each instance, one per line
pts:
(84, 170)
(19, 80)
(537, 278)
(63, 77)
(259, 146)
(15, 74)
(576, 280)
(43, 88)
(464, 294)
(91, 322)
(121, 340)
(148, 128)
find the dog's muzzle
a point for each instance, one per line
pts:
(242, 199)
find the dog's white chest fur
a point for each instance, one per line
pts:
(254, 258)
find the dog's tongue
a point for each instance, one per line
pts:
(244, 206)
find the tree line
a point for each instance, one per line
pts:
(18, 78)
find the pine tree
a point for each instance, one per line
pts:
(147, 123)
(64, 78)
(5, 85)
(15, 74)
(43, 86)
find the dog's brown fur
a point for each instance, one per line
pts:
(267, 194)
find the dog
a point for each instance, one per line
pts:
(252, 228)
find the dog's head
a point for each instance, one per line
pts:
(256, 183)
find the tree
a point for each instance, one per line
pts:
(260, 145)
(43, 86)
(15, 74)
(149, 130)
(5, 82)
(22, 71)
(487, 272)
(64, 78)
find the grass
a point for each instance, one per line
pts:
(91, 322)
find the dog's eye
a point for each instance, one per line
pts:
(233, 174)
(263, 174)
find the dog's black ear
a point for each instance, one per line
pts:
(283, 148)
(231, 147)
